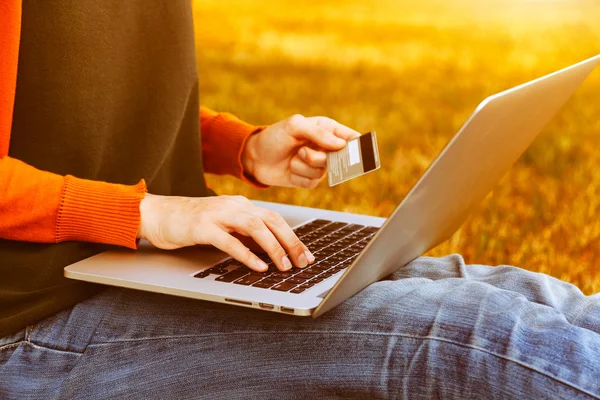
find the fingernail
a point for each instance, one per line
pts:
(287, 265)
(302, 261)
(261, 265)
(309, 256)
(339, 142)
(302, 153)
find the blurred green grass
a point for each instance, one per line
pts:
(414, 72)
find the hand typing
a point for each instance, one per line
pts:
(170, 222)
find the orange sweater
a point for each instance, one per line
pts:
(39, 206)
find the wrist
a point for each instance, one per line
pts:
(249, 156)
(146, 215)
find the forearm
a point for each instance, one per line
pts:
(39, 206)
(224, 138)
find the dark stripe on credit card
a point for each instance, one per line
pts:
(367, 152)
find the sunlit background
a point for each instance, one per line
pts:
(413, 71)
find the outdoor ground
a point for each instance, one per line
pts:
(414, 71)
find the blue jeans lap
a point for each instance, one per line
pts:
(435, 328)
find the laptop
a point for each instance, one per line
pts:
(351, 250)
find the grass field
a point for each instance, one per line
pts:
(414, 71)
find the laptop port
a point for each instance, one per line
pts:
(266, 306)
(246, 303)
(287, 310)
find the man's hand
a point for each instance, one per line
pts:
(292, 152)
(173, 222)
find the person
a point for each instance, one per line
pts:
(103, 142)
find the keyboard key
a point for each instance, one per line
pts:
(313, 270)
(326, 252)
(296, 280)
(336, 247)
(328, 262)
(354, 249)
(320, 222)
(222, 264)
(274, 279)
(332, 235)
(306, 275)
(282, 274)
(283, 286)
(308, 284)
(217, 269)
(354, 227)
(322, 266)
(233, 275)
(318, 245)
(304, 229)
(264, 284)
(317, 280)
(313, 248)
(202, 274)
(248, 280)
(311, 237)
(219, 272)
(333, 226)
(298, 290)
(370, 229)
(261, 274)
(231, 265)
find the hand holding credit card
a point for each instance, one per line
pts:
(359, 157)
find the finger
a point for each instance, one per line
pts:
(314, 158)
(338, 129)
(303, 182)
(306, 129)
(298, 252)
(230, 245)
(253, 226)
(249, 243)
(299, 167)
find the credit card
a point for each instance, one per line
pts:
(359, 157)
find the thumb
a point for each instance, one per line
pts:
(306, 129)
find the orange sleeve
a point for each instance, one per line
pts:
(39, 206)
(10, 34)
(223, 139)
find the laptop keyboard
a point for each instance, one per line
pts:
(335, 245)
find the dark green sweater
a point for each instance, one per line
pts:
(106, 90)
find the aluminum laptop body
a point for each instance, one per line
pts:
(487, 145)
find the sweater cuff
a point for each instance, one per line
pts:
(225, 137)
(243, 175)
(99, 212)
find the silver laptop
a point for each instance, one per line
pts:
(353, 251)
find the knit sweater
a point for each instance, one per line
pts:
(106, 108)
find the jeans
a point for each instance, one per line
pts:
(434, 329)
